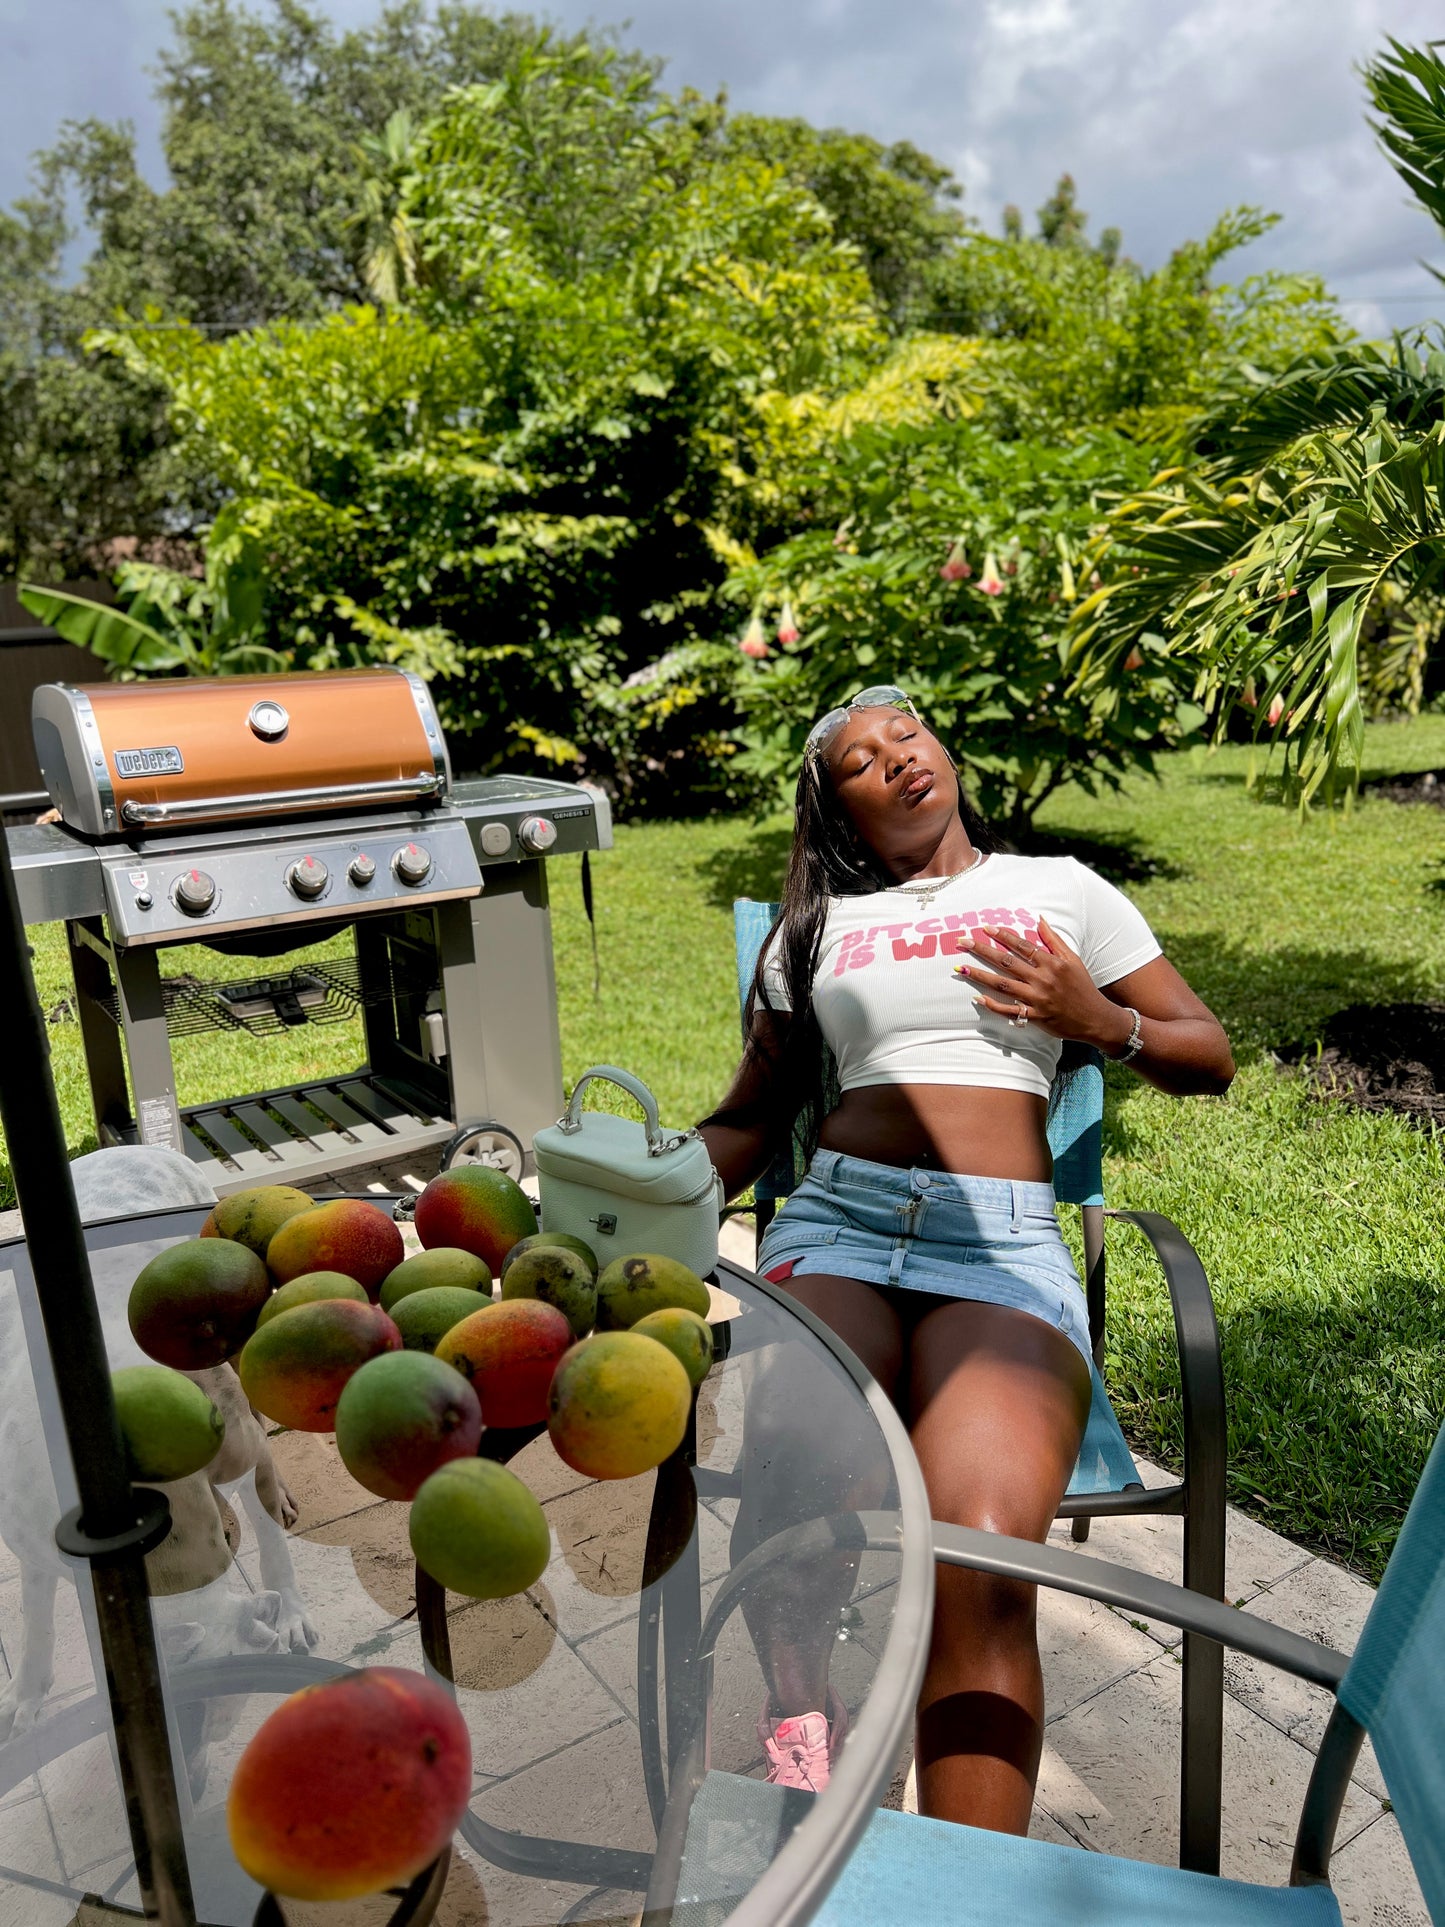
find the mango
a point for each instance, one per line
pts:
(351, 1786)
(252, 1218)
(429, 1269)
(400, 1417)
(562, 1238)
(686, 1336)
(557, 1277)
(425, 1317)
(307, 1289)
(295, 1368)
(630, 1288)
(475, 1208)
(509, 1352)
(346, 1235)
(197, 1302)
(478, 1530)
(618, 1406)
(167, 1424)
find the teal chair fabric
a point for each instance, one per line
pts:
(1076, 1138)
(912, 1872)
(1395, 1686)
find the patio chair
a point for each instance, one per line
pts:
(1106, 1481)
(907, 1869)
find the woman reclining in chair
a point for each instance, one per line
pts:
(945, 978)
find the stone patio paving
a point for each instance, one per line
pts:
(1109, 1780)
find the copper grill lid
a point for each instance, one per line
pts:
(124, 758)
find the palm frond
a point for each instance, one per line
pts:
(1259, 415)
(1273, 592)
(1407, 87)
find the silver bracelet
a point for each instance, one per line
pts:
(1136, 1038)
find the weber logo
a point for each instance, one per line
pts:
(149, 762)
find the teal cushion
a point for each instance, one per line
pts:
(1396, 1683)
(1076, 1132)
(1105, 1463)
(906, 1871)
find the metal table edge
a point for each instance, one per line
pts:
(800, 1879)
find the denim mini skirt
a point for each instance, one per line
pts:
(995, 1241)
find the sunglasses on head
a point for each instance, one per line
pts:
(883, 696)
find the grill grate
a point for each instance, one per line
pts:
(321, 993)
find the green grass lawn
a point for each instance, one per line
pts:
(1321, 1227)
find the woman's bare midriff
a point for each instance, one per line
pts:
(967, 1128)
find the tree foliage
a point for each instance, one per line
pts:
(520, 480)
(1079, 336)
(288, 152)
(1295, 564)
(952, 568)
(455, 341)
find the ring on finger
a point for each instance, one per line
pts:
(1020, 1016)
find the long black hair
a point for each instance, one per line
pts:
(828, 859)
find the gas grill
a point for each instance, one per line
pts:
(261, 815)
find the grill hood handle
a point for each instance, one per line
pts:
(279, 802)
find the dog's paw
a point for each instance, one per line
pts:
(294, 1631)
(290, 1511)
(19, 1711)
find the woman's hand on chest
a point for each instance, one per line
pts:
(1044, 980)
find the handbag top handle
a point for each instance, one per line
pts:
(659, 1142)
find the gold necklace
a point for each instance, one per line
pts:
(924, 893)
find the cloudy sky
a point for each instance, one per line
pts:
(1166, 111)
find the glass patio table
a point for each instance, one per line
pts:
(613, 1708)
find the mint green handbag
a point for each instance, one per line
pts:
(624, 1187)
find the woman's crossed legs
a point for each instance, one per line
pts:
(996, 1401)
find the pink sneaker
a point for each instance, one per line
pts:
(800, 1749)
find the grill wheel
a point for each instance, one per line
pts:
(485, 1142)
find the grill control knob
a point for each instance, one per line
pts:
(362, 871)
(195, 893)
(538, 833)
(412, 863)
(308, 877)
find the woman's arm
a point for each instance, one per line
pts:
(736, 1133)
(1184, 1049)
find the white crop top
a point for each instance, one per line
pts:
(889, 1006)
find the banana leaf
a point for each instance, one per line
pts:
(108, 633)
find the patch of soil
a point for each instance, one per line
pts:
(1380, 1057)
(1427, 787)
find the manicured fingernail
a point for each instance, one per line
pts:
(962, 970)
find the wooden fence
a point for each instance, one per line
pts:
(31, 654)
